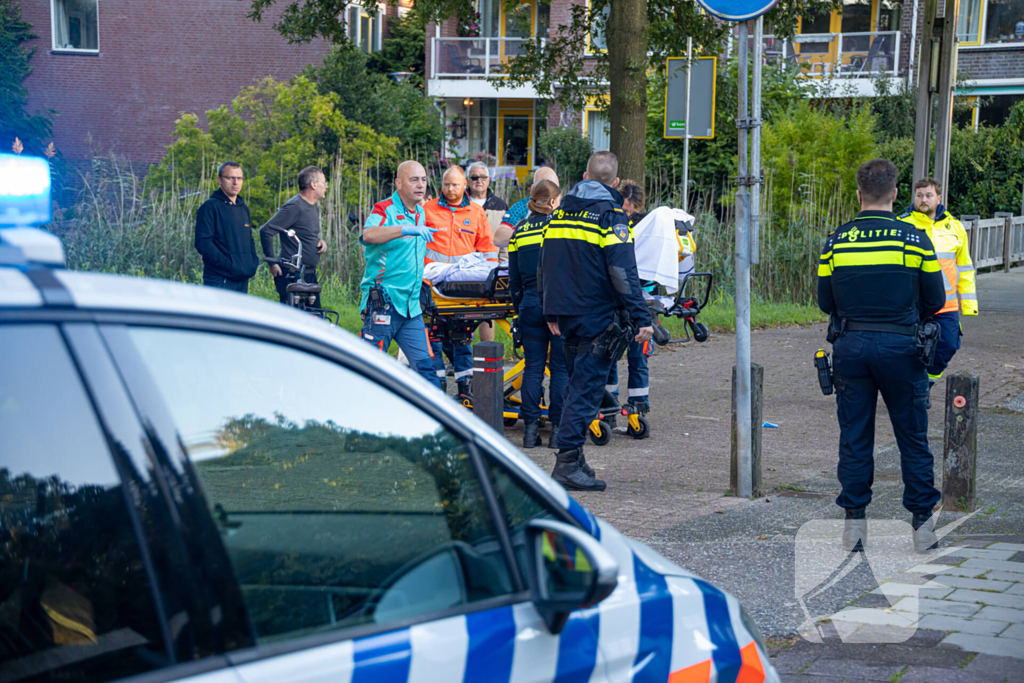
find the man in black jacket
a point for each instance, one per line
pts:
(224, 236)
(589, 285)
(879, 278)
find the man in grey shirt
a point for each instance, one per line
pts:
(300, 213)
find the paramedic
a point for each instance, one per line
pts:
(638, 382)
(954, 256)
(460, 228)
(395, 236)
(588, 283)
(540, 346)
(879, 277)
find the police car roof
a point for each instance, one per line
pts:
(99, 292)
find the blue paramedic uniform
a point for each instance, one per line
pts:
(396, 267)
(880, 277)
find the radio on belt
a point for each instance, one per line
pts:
(824, 365)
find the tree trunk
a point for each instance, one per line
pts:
(627, 76)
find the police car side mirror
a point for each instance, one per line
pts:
(568, 570)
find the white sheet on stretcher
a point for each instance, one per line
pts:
(471, 268)
(657, 249)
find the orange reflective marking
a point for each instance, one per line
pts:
(752, 670)
(430, 348)
(698, 673)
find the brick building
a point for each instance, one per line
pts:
(120, 72)
(845, 51)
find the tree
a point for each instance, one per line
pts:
(642, 34)
(15, 122)
(405, 48)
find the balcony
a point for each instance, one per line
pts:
(472, 58)
(839, 55)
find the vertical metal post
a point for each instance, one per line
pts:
(923, 123)
(488, 383)
(743, 452)
(686, 130)
(755, 145)
(947, 84)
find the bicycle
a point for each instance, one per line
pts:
(302, 295)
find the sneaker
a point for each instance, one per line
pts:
(569, 474)
(531, 435)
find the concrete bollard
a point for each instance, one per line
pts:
(960, 443)
(488, 383)
(756, 420)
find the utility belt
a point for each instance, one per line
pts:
(610, 344)
(925, 334)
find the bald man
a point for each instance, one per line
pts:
(460, 228)
(395, 236)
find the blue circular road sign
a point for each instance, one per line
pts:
(737, 10)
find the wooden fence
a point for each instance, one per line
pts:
(995, 241)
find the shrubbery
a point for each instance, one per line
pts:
(567, 150)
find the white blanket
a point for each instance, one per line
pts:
(471, 268)
(657, 248)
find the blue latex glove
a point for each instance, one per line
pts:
(418, 231)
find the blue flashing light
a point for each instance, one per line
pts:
(24, 190)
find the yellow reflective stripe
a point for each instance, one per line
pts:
(920, 250)
(868, 258)
(826, 256)
(559, 233)
(912, 261)
(868, 245)
(528, 239)
(825, 270)
(930, 266)
(512, 246)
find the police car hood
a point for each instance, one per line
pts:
(589, 192)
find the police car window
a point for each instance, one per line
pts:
(519, 505)
(339, 502)
(75, 600)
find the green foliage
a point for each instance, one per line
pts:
(809, 155)
(404, 49)
(567, 150)
(398, 110)
(713, 162)
(15, 122)
(274, 129)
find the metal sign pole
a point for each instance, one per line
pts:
(744, 460)
(686, 131)
(755, 146)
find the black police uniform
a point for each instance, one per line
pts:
(587, 279)
(880, 278)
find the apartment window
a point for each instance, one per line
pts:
(598, 129)
(75, 25)
(991, 22)
(598, 39)
(363, 30)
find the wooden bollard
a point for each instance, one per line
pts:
(489, 382)
(960, 443)
(756, 420)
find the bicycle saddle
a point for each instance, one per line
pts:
(303, 288)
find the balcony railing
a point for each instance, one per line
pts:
(839, 55)
(473, 58)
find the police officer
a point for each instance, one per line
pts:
(878, 278)
(590, 292)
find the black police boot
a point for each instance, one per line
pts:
(465, 389)
(855, 530)
(444, 384)
(531, 435)
(641, 404)
(553, 439)
(569, 474)
(587, 469)
(924, 532)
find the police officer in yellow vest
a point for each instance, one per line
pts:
(950, 241)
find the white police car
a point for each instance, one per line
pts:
(199, 485)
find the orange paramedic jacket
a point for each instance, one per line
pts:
(461, 230)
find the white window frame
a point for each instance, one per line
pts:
(982, 43)
(71, 50)
(355, 32)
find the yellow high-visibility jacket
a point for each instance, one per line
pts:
(954, 255)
